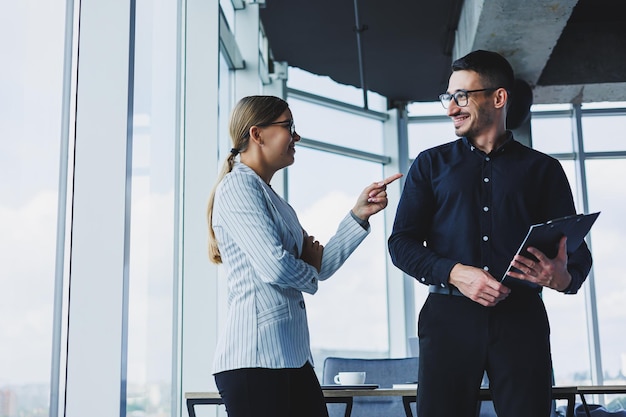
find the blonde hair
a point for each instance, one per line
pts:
(249, 111)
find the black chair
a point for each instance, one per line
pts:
(384, 372)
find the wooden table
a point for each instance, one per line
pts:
(331, 395)
(410, 396)
(346, 396)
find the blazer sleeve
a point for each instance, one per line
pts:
(242, 210)
(349, 236)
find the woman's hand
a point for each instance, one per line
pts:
(312, 252)
(373, 198)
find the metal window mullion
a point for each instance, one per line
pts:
(595, 355)
(343, 151)
(238, 4)
(336, 105)
(100, 225)
(400, 295)
(229, 45)
(57, 383)
(247, 33)
(176, 396)
(198, 171)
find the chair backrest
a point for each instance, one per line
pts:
(414, 346)
(384, 372)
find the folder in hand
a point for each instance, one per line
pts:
(546, 237)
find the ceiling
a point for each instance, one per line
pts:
(565, 50)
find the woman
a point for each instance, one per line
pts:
(263, 364)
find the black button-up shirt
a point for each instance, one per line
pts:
(460, 205)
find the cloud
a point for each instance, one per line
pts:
(27, 254)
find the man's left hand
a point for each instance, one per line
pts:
(551, 273)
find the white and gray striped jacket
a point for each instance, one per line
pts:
(260, 241)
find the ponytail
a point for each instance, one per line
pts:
(249, 111)
(214, 251)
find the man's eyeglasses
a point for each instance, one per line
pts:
(287, 124)
(460, 97)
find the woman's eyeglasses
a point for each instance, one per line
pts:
(287, 124)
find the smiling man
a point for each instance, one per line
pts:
(465, 208)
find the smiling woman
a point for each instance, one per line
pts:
(263, 354)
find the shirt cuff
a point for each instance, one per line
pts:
(364, 223)
(570, 288)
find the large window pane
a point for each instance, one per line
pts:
(570, 347)
(425, 135)
(604, 133)
(31, 82)
(336, 127)
(552, 135)
(570, 350)
(152, 254)
(348, 314)
(432, 108)
(608, 243)
(326, 87)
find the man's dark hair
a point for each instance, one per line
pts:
(492, 67)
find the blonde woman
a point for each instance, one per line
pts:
(263, 363)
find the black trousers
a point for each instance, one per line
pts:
(261, 392)
(460, 339)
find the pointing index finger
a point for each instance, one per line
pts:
(390, 179)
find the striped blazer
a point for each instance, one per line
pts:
(260, 240)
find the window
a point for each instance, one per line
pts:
(322, 187)
(30, 128)
(336, 127)
(153, 272)
(348, 314)
(426, 135)
(608, 242)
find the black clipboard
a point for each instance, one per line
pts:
(546, 237)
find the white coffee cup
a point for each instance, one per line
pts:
(350, 378)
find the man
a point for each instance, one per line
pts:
(464, 211)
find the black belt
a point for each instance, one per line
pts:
(444, 290)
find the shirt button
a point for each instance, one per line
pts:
(485, 208)
(486, 179)
(443, 285)
(487, 159)
(423, 279)
(486, 268)
(485, 238)
(313, 280)
(301, 304)
(472, 148)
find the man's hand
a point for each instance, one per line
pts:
(551, 273)
(478, 285)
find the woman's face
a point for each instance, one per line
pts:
(278, 141)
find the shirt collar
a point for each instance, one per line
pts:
(507, 143)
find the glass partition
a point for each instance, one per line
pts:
(153, 276)
(608, 243)
(552, 135)
(429, 134)
(31, 86)
(336, 127)
(604, 133)
(348, 314)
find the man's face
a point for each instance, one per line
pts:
(477, 116)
